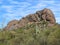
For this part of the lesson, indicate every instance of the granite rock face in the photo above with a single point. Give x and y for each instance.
(12, 25)
(45, 14)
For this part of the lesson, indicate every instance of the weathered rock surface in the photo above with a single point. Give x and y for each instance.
(45, 14)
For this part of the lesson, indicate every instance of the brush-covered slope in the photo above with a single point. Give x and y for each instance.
(31, 35)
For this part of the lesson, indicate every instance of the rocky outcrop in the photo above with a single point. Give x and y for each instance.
(45, 14)
(12, 25)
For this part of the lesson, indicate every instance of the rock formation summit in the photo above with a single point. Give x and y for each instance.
(45, 14)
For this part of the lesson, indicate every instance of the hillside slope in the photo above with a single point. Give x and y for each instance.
(31, 35)
(44, 31)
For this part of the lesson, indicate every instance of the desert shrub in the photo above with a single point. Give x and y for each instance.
(31, 35)
(54, 38)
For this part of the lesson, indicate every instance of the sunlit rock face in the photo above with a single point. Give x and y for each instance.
(45, 14)
(12, 25)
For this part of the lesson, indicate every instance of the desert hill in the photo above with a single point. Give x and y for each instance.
(42, 15)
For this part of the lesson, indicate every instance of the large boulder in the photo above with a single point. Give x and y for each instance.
(45, 14)
(48, 16)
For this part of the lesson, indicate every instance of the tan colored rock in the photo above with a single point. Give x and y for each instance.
(49, 16)
(12, 25)
(45, 14)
